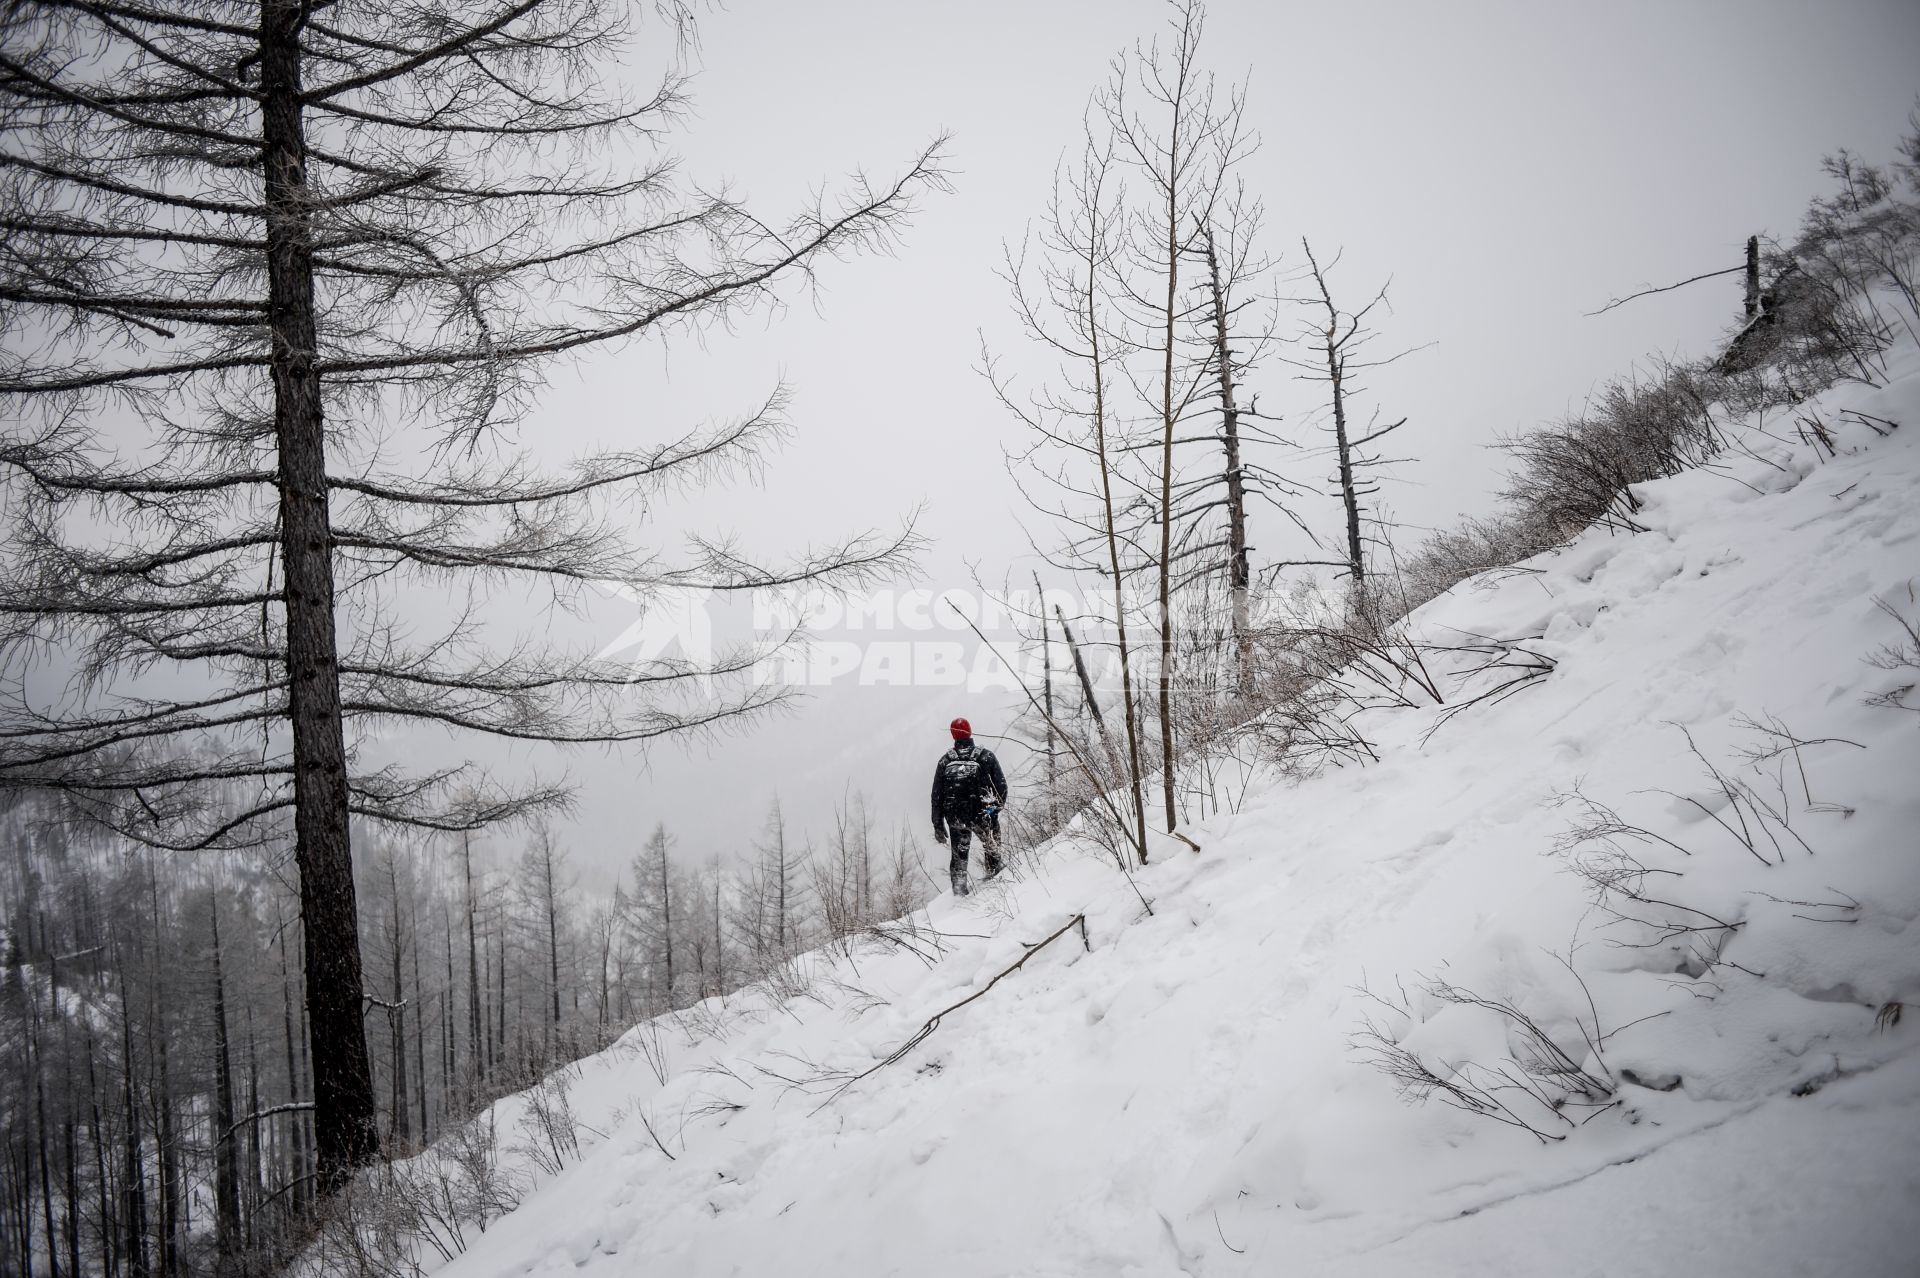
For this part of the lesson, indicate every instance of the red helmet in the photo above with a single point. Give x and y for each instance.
(961, 729)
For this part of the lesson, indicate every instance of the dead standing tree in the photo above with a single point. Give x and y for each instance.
(273, 278)
(1065, 308)
(1237, 326)
(1173, 344)
(1239, 573)
(1334, 344)
(1169, 129)
(1046, 674)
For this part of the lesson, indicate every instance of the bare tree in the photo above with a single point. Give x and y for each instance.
(1336, 344)
(1050, 750)
(769, 911)
(1239, 320)
(1064, 304)
(543, 887)
(1181, 140)
(1240, 577)
(273, 248)
(841, 878)
(1156, 299)
(650, 917)
(476, 1051)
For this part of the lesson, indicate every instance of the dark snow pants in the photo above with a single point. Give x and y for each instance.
(959, 842)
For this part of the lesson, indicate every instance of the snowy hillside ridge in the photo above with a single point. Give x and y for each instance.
(1642, 935)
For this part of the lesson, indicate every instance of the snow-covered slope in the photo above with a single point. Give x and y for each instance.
(1182, 1093)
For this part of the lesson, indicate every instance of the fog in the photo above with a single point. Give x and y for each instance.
(1509, 166)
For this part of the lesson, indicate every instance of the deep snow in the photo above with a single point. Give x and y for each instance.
(1185, 1095)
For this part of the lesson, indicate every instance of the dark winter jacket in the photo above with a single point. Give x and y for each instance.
(965, 781)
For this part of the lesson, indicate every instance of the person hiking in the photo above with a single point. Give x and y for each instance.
(969, 789)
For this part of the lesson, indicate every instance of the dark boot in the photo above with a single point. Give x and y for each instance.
(958, 840)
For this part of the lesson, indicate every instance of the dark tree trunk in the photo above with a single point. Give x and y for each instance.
(70, 1144)
(109, 1234)
(1167, 757)
(1046, 674)
(553, 941)
(18, 1182)
(419, 1022)
(449, 1060)
(255, 1190)
(159, 1056)
(666, 918)
(343, 1105)
(606, 948)
(402, 1130)
(226, 1178)
(1129, 712)
(474, 1041)
(500, 1001)
(134, 1217)
(1343, 449)
(296, 1167)
(36, 1049)
(70, 1133)
(781, 930)
(719, 955)
(1239, 573)
(1087, 698)
(486, 1011)
(167, 1146)
(445, 1053)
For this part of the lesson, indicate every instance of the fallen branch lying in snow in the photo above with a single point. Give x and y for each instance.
(932, 1023)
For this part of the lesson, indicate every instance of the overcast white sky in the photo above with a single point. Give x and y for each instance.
(1509, 165)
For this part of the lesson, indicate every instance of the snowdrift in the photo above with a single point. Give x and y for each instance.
(1656, 909)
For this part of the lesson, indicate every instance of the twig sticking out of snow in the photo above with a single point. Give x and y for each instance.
(1541, 1073)
(932, 1023)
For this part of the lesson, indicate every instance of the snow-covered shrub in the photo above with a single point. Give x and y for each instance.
(1488, 1056)
(1712, 908)
(1323, 663)
(1900, 656)
(1467, 549)
(1773, 969)
(1838, 291)
(1580, 471)
(411, 1216)
(1848, 278)
(1635, 904)
(552, 1133)
(1320, 663)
